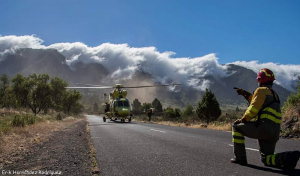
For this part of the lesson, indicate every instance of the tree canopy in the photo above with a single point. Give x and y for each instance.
(39, 93)
(208, 108)
(145, 107)
(4, 88)
(136, 105)
(172, 113)
(189, 110)
(157, 105)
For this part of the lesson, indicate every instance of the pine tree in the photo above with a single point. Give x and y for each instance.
(208, 109)
(237, 109)
(136, 106)
(157, 105)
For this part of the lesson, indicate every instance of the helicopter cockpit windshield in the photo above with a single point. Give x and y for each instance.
(122, 103)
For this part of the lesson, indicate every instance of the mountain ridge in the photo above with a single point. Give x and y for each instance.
(50, 61)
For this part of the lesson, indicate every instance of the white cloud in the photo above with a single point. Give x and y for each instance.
(285, 75)
(122, 61)
(124, 74)
(199, 84)
(9, 44)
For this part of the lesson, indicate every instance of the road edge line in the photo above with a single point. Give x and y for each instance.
(92, 152)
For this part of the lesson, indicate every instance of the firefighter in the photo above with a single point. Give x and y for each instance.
(149, 113)
(106, 107)
(262, 121)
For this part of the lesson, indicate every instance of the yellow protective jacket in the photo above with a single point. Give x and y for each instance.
(262, 97)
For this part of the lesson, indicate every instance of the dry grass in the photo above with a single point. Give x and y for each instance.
(292, 112)
(95, 169)
(7, 115)
(214, 125)
(291, 122)
(224, 122)
(17, 140)
(220, 126)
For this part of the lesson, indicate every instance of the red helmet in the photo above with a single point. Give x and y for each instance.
(265, 75)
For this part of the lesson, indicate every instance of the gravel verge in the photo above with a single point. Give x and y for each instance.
(66, 152)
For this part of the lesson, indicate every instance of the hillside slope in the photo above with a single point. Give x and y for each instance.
(50, 61)
(28, 61)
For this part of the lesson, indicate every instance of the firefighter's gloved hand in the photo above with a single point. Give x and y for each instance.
(238, 121)
(244, 93)
(240, 91)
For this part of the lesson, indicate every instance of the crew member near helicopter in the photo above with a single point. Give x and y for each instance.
(106, 107)
(149, 113)
(265, 115)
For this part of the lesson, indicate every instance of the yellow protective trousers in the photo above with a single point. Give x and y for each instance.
(267, 133)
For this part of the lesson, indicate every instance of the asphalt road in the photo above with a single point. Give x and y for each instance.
(151, 149)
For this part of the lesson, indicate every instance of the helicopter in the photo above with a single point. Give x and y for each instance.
(118, 106)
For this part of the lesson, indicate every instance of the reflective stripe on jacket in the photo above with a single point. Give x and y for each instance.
(261, 97)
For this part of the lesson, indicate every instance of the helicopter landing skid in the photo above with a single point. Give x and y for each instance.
(115, 120)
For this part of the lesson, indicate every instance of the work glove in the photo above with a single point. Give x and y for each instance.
(242, 92)
(238, 121)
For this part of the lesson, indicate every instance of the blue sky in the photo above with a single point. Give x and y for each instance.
(264, 30)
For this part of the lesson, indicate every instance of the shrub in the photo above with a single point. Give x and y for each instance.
(145, 107)
(172, 113)
(189, 110)
(18, 121)
(29, 119)
(169, 112)
(293, 100)
(4, 126)
(177, 112)
(59, 117)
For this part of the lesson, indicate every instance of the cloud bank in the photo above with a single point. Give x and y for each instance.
(285, 75)
(9, 44)
(122, 61)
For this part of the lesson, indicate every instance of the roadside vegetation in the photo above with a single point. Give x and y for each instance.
(291, 115)
(207, 114)
(39, 93)
(31, 108)
(20, 129)
(23, 98)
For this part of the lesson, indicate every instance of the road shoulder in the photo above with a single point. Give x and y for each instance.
(66, 151)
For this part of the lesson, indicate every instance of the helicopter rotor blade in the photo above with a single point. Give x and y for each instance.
(88, 85)
(160, 85)
(111, 87)
(106, 87)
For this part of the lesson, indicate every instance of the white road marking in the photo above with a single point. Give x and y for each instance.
(158, 131)
(246, 148)
(252, 149)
